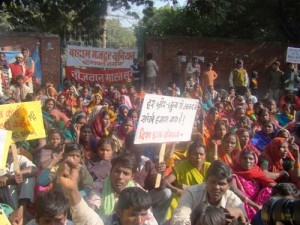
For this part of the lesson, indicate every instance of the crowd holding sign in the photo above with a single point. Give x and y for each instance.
(293, 55)
(99, 76)
(166, 119)
(23, 119)
(99, 57)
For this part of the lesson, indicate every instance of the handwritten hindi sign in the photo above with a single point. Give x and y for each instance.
(5, 140)
(100, 76)
(293, 55)
(100, 57)
(23, 119)
(165, 119)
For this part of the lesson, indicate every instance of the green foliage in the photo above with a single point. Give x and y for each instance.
(118, 36)
(268, 20)
(71, 19)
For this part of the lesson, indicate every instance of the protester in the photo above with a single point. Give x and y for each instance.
(215, 191)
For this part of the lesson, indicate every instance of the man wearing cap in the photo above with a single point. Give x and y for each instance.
(239, 78)
(20, 68)
(275, 81)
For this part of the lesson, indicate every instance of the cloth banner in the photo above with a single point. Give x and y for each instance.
(25, 120)
(99, 76)
(166, 119)
(100, 57)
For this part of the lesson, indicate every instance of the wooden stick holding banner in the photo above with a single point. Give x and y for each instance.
(15, 158)
(165, 119)
(161, 158)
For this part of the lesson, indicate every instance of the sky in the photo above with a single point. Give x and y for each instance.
(128, 21)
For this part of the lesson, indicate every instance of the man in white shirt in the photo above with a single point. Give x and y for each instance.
(151, 70)
(214, 192)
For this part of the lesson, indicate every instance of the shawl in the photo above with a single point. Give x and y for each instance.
(108, 197)
(272, 154)
(255, 173)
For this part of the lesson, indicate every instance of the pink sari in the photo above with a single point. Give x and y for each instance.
(253, 190)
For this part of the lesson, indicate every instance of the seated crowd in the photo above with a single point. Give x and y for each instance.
(89, 171)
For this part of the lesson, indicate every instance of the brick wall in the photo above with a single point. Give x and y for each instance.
(222, 52)
(50, 57)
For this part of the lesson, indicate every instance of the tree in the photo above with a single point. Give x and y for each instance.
(268, 20)
(70, 19)
(118, 36)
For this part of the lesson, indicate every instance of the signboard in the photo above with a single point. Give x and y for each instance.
(100, 76)
(5, 140)
(293, 55)
(25, 120)
(100, 57)
(166, 119)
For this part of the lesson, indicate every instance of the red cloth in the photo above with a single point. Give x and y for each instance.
(255, 173)
(272, 154)
(18, 69)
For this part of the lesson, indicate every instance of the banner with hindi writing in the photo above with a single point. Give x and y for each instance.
(99, 76)
(25, 120)
(100, 57)
(166, 119)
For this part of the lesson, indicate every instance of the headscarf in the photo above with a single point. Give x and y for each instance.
(255, 173)
(97, 124)
(53, 90)
(272, 154)
(127, 101)
(230, 158)
(92, 103)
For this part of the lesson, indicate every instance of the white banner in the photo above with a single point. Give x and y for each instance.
(293, 55)
(166, 119)
(100, 57)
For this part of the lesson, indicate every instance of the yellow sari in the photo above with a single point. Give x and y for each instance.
(186, 174)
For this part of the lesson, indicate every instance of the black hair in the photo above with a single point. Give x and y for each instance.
(50, 204)
(135, 198)
(285, 190)
(220, 170)
(205, 214)
(72, 146)
(195, 145)
(126, 160)
(108, 141)
(52, 131)
(149, 56)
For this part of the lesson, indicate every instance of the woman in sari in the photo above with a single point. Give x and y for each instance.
(102, 126)
(96, 101)
(253, 185)
(72, 133)
(188, 172)
(52, 117)
(263, 137)
(61, 105)
(221, 128)
(229, 150)
(263, 116)
(120, 134)
(244, 135)
(88, 142)
(279, 163)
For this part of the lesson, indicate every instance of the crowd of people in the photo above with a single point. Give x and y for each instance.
(87, 170)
